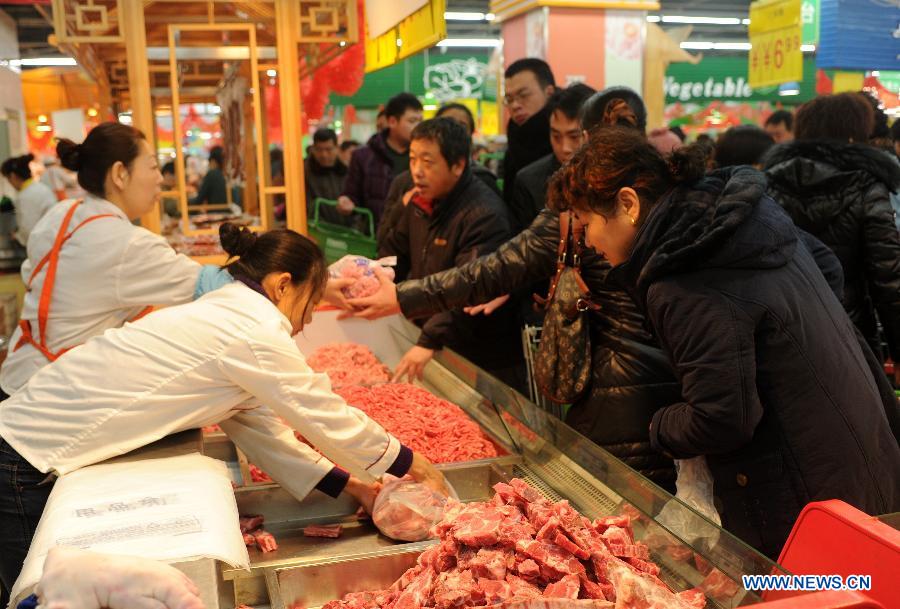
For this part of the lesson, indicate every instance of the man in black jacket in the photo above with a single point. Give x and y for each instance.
(529, 85)
(566, 137)
(324, 174)
(453, 218)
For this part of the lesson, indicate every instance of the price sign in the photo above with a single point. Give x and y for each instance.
(775, 36)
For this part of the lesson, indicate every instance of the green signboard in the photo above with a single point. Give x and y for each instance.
(725, 79)
(432, 75)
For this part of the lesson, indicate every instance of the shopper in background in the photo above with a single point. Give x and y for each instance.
(386, 155)
(742, 145)
(89, 268)
(381, 120)
(776, 391)
(346, 152)
(34, 199)
(566, 136)
(62, 182)
(631, 377)
(529, 84)
(213, 188)
(664, 140)
(837, 187)
(228, 359)
(452, 218)
(402, 186)
(780, 125)
(170, 204)
(895, 196)
(324, 175)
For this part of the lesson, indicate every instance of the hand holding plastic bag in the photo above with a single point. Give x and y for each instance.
(695, 488)
(362, 270)
(406, 510)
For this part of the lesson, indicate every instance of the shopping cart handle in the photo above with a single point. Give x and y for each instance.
(367, 213)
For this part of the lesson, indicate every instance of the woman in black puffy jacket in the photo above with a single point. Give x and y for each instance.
(837, 187)
(631, 376)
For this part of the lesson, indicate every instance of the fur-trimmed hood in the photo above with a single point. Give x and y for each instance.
(819, 165)
(724, 221)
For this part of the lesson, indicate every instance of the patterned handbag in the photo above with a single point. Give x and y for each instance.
(562, 366)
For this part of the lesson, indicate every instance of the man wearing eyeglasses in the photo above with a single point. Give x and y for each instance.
(529, 85)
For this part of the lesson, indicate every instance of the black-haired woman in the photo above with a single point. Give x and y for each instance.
(34, 199)
(228, 358)
(89, 268)
(776, 389)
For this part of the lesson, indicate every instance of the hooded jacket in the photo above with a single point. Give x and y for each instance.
(840, 193)
(777, 392)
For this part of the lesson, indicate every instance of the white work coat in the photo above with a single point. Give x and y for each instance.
(226, 358)
(32, 203)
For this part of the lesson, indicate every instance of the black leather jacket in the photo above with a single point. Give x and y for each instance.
(632, 378)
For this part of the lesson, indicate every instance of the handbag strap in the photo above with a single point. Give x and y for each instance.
(568, 230)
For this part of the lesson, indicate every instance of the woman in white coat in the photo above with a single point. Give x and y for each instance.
(228, 358)
(89, 268)
(34, 199)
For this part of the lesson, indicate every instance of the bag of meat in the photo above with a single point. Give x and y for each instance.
(694, 484)
(406, 510)
(363, 270)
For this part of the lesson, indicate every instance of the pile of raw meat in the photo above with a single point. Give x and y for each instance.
(439, 430)
(255, 535)
(363, 271)
(521, 550)
(348, 364)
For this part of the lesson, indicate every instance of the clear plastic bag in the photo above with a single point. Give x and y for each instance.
(363, 270)
(406, 510)
(695, 488)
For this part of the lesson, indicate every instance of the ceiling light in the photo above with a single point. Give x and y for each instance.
(789, 88)
(39, 62)
(399, 42)
(653, 18)
(745, 22)
(875, 73)
(92, 112)
(808, 48)
(489, 16)
(44, 128)
(702, 20)
(464, 16)
(42, 118)
(429, 107)
(271, 73)
(470, 42)
(716, 46)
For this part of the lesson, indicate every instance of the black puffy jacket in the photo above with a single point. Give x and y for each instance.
(778, 393)
(841, 194)
(631, 378)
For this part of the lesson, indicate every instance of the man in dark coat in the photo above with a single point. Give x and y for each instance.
(529, 85)
(840, 192)
(566, 136)
(385, 155)
(323, 175)
(453, 218)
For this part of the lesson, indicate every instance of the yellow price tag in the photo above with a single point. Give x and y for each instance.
(776, 34)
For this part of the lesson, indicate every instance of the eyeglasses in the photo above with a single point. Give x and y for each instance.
(521, 97)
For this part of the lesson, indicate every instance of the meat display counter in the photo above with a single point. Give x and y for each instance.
(554, 459)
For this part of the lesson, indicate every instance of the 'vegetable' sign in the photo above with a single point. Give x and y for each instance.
(775, 35)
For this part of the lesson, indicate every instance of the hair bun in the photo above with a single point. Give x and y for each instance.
(687, 165)
(236, 240)
(69, 154)
(618, 112)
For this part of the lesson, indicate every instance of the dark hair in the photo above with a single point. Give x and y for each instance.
(464, 109)
(107, 144)
(217, 154)
(324, 135)
(844, 117)
(781, 117)
(677, 130)
(276, 251)
(616, 157)
(895, 130)
(570, 100)
(538, 67)
(380, 112)
(348, 144)
(400, 103)
(18, 166)
(742, 145)
(614, 106)
(168, 168)
(451, 137)
(880, 129)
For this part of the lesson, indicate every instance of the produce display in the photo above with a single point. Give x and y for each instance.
(522, 550)
(439, 430)
(348, 364)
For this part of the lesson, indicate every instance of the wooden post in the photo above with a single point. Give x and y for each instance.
(288, 29)
(135, 34)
